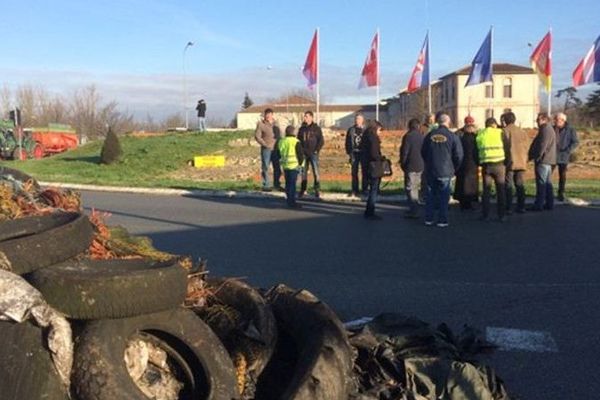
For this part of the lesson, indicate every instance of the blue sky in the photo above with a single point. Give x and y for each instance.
(132, 50)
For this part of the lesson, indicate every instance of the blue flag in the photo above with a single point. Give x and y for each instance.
(481, 67)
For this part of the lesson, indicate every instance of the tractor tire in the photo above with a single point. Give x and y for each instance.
(313, 345)
(19, 176)
(97, 289)
(100, 373)
(26, 368)
(19, 153)
(37, 152)
(32, 243)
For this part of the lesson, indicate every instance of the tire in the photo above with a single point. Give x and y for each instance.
(36, 242)
(96, 289)
(38, 151)
(26, 368)
(19, 176)
(100, 373)
(313, 345)
(19, 153)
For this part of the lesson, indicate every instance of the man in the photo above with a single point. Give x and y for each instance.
(201, 108)
(543, 153)
(353, 150)
(566, 142)
(311, 139)
(442, 154)
(265, 136)
(519, 146)
(412, 165)
(372, 153)
(493, 154)
(292, 157)
(466, 190)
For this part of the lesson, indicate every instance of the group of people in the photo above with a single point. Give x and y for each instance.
(431, 156)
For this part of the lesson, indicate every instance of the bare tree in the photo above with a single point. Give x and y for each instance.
(5, 101)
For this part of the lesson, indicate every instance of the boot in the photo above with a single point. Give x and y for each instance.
(520, 199)
(303, 186)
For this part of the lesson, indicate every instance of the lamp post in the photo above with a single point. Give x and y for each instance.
(185, 93)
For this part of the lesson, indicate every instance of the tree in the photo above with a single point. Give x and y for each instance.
(592, 107)
(571, 100)
(247, 103)
(111, 150)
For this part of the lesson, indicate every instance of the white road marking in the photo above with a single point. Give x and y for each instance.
(508, 339)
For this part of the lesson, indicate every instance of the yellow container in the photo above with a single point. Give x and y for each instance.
(209, 161)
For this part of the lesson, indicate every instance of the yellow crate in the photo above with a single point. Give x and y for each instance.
(209, 161)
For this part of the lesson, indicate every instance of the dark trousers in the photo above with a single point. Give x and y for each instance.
(357, 164)
(438, 196)
(544, 195)
(268, 157)
(291, 176)
(494, 173)
(372, 199)
(313, 162)
(514, 180)
(562, 179)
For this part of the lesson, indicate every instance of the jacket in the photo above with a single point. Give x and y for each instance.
(264, 134)
(410, 152)
(543, 147)
(467, 176)
(519, 147)
(493, 146)
(566, 142)
(442, 153)
(311, 138)
(371, 146)
(201, 108)
(290, 152)
(353, 139)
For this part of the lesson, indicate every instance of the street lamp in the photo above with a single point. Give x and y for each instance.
(185, 93)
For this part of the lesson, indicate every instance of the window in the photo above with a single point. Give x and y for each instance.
(507, 88)
(454, 91)
(489, 113)
(489, 91)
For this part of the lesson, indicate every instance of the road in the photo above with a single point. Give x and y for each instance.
(538, 272)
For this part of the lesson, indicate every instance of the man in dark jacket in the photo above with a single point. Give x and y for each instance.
(412, 164)
(201, 109)
(311, 139)
(566, 142)
(353, 149)
(372, 153)
(443, 154)
(543, 153)
(467, 176)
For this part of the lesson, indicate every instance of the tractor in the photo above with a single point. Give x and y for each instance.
(13, 148)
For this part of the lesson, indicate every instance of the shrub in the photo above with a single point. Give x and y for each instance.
(111, 150)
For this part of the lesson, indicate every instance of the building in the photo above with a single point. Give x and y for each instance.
(514, 88)
(290, 110)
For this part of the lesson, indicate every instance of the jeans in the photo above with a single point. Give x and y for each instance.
(291, 176)
(364, 180)
(267, 157)
(438, 194)
(562, 179)
(412, 187)
(372, 199)
(514, 180)
(494, 173)
(544, 196)
(313, 162)
(202, 124)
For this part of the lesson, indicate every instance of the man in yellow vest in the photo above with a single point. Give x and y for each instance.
(493, 154)
(291, 157)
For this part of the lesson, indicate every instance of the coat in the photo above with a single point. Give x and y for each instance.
(519, 147)
(201, 108)
(311, 138)
(543, 147)
(467, 175)
(410, 152)
(442, 153)
(566, 142)
(265, 134)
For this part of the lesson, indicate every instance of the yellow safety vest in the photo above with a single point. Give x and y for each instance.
(490, 146)
(287, 151)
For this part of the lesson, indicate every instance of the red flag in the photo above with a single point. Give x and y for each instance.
(541, 61)
(310, 69)
(370, 72)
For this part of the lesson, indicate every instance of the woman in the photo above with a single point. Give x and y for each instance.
(372, 151)
(467, 182)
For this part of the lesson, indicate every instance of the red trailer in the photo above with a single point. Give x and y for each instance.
(55, 138)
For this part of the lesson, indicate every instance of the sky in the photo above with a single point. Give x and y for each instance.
(132, 50)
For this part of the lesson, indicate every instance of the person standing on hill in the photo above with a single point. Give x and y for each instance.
(311, 139)
(543, 153)
(467, 176)
(354, 137)
(412, 165)
(201, 109)
(519, 145)
(265, 136)
(566, 142)
(291, 158)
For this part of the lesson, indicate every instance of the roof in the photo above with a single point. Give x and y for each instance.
(499, 68)
(282, 108)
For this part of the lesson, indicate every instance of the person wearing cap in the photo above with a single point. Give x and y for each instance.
(493, 154)
(566, 142)
(466, 190)
(291, 156)
(519, 146)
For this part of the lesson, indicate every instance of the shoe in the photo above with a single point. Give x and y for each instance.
(442, 224)
(428, 223)
(301, 194)
(560, 197)
(317, 194)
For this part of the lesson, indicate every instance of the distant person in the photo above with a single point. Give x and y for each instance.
(515, 173)
(354, 137)
(467, 176)
(543, 153)
(566, 142)
(291, 158)
(493, 153)
(311, 138)
(412, 165)
(201, 109)
(265, 136)
(443, 154)
(372, 153)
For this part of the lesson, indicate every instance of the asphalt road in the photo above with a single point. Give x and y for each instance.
(538, 272)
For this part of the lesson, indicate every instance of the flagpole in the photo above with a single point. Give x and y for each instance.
(378, 80)
(318, 77)
(550, 77)
(491, 102)
(429, 74)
